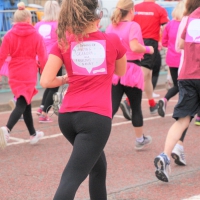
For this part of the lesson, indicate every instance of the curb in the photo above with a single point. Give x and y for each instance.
(5, 107)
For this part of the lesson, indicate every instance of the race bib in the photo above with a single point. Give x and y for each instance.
(193, 31)
(89, 57)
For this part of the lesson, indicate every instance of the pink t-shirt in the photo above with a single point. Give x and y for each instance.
(168, 40)
(90, 86)
(191, 35)
(48, 31)
(127, 31)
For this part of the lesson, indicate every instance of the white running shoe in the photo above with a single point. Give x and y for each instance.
(155, 95)
(178, 156)
(4, 137)
(37, 137)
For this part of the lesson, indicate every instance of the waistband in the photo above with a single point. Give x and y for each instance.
(137, 62)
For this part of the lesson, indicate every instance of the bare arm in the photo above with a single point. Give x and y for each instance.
(120, 66)
(181, 43)
(48, 77)
(139, 48)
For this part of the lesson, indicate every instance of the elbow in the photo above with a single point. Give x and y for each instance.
(44, 83)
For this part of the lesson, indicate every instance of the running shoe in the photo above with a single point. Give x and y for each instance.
(154, 109)
(139, 145)
(161, 107)
(197, 121)
(178, 156)
(126, 110)
(44, 119)
(162, 164)
(39, 111)
(34, 139)
(155, 95)
(4, 137)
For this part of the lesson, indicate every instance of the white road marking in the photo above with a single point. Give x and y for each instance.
(23, 141)
(194, 198)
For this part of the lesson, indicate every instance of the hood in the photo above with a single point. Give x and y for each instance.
(23, 29)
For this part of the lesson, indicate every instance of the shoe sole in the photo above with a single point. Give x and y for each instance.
(177, 159)
(159, 172)
(197, 123)
(3, 143)
(161, 111)
(124, 111)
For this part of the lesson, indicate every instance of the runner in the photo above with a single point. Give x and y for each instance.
(132, 82)
(189, 92)
(23, 44)
(90, 57)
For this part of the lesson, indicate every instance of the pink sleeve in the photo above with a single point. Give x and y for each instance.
(135, 32)
(180, 30)
(165, 37)
(42, 53)
(4, 51)
(55, 50)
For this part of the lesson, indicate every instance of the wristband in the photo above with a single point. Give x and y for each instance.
(147, 49)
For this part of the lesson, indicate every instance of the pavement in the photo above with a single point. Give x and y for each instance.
(32, 172)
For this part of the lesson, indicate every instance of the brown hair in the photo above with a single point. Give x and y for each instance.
(190, 6)
(75, 16)
(121, 10)
(22, 14)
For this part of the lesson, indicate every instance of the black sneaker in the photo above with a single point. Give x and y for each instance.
(161, 107)
(154, 109)
(126, 109)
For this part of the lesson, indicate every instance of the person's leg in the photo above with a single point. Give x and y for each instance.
(88, 133)
(162, 103)
(17, 112)
(156, 69)
(117, 94)
(135, 97)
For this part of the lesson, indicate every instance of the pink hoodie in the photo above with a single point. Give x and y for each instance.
(168, 40)
(23, 44)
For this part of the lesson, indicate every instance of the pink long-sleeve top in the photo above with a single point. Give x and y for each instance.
(23, 44)
(168, 40)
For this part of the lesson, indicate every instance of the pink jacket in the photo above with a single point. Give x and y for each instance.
(23, 44)
(168, 40)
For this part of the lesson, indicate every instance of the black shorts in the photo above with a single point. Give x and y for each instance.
(149, 59)
(189, 98)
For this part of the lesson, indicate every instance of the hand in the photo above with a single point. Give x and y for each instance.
(151, 50)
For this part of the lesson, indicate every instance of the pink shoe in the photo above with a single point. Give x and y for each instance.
(43, 119)
(37, 137)
(4, 137)
(39, 111)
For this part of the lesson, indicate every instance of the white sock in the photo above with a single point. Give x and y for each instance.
(179, 146)
(140, 140)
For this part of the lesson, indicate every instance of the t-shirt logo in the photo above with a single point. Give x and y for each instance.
(45, 31)
(89, 57)
(193, 31)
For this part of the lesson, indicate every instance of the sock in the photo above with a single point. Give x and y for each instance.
(165, 100)
(128, 101)
(140, 140)
(180, 147)
(152, 102)
(198, 118)
(42, 106)
(34, 134)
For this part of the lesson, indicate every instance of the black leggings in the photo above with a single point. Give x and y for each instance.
(135, 97)
(47, 99)
(174, 90)
(156, 69)
(21, 108)
(88, 133)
